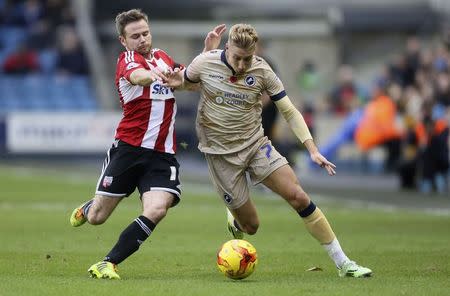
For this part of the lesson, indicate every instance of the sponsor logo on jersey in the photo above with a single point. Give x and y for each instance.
(250, 80)
(132, 65)
(231, 99)
(158, 89)
(235, 96)
(235, 102)
(217, 76)
(161, 92)
(107, 181)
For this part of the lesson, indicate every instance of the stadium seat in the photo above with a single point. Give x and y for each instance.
(47, 60)
(11, 37)
(46, 93)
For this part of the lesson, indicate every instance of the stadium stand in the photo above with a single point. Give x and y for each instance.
(36, 73)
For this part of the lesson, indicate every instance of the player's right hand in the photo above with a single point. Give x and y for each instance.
(324, 163)
(157, 74)
(174, 78)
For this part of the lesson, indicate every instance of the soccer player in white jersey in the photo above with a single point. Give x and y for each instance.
(143, 154)
(231, 137)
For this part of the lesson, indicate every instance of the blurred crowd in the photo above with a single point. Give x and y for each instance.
(407, 113)
(38, 36)
(43, 66)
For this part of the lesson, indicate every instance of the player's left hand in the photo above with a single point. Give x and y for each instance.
(324, 163)
(212, 40)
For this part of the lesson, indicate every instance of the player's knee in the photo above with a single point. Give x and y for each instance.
(299, 200)
(155, 214)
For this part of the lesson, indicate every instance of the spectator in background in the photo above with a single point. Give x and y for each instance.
(397, 70)
(23, 13)
(441, 59)
(40, 36)
(412, 101)
(59, 12)
(442, 89)
(426, 62)
(309, 82)
(23, 61)
(346, 95)
(8, 13)
(433, 135)
(308, 78)
(71, 57)
(412, 59)
(407, 165)
(378, 124)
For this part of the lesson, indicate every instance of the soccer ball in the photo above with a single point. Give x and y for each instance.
(237, 259)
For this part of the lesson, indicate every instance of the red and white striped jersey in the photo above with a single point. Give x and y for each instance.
(148, 111)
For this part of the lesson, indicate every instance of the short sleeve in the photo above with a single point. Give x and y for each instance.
(192, 73)
(273, 85)
(130, 61)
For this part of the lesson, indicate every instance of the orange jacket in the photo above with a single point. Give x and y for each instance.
(377, 124)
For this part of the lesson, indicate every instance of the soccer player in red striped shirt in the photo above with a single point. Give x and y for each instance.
(143, 154)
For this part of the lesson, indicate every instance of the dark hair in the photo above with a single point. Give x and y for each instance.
(126, 17)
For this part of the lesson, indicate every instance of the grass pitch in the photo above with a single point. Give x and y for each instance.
(41, 254)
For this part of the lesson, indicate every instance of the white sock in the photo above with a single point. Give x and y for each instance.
(335, 252)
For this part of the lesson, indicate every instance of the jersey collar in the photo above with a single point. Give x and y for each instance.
(223, 58)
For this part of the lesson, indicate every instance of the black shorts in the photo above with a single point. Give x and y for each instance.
(127, 167)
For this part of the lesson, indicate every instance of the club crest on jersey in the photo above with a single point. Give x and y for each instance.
(219, 100)
(227, 198)
(250, 80)
(107, 181)
(132, 65)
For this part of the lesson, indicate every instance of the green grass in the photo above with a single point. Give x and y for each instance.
(40, 254)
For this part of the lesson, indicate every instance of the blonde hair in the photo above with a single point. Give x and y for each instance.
(126, 17)
(243, 36)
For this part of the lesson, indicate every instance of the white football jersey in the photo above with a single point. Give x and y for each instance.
(229, 112)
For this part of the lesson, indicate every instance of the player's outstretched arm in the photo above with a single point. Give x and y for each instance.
(175, 79)
(298, 125)
(145, 77)
(213, 38)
